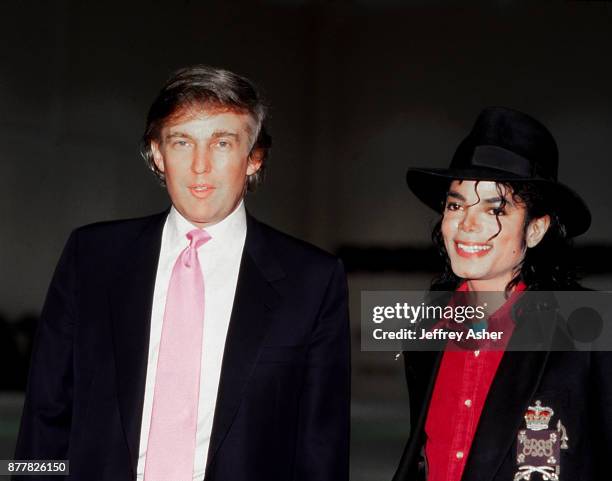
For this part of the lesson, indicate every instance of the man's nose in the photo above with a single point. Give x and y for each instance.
(469, 221)
(201, 163)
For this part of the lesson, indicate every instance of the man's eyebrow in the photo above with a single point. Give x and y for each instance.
(491, 200)
(495, 200)
(455, 195)
(178, 134)
(225, 133)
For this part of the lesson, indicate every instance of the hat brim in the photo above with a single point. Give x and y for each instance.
(431, 187)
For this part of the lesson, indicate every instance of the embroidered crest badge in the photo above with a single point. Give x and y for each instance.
(537, 417)
(539, 448)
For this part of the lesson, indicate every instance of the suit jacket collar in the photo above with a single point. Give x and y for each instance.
(131, 299)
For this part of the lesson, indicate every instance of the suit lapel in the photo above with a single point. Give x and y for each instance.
(254, 302)
(421, 372)
(516, 381)
(131, 300)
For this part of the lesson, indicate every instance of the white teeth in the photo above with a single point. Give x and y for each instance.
(473, 248)
(200, 189)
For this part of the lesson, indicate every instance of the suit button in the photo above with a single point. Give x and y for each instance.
(459, 454)
(468, 402)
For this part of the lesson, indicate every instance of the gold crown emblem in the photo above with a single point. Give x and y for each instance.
(537, 417)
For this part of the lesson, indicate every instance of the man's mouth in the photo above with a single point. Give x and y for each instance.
(201, 190)
(470, 249)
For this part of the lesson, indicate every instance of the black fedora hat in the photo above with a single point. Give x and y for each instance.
(505, 145)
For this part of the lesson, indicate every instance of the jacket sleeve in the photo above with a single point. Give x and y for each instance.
(47, 413)
(324, 423)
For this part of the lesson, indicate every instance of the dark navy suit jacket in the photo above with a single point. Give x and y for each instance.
(283, 403)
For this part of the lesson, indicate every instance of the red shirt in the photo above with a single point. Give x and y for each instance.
(458, 398)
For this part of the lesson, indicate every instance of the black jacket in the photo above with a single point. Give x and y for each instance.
(576, 385)
(283, 403)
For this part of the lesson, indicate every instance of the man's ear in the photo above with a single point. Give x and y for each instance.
(255, 160)
(536, 230)
(158, 158)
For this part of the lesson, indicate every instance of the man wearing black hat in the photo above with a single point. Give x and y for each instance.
(504, 414)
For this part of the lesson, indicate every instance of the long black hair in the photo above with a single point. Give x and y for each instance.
(547, 266)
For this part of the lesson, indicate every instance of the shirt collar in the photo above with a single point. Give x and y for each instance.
(230, 228)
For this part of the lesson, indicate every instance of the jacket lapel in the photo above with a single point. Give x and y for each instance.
(254, 301)
(421, 372)
(516, 381)
(421, 369)
(131, 300)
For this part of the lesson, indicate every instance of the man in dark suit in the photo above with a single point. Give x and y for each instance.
(506, 413)
(197, 343)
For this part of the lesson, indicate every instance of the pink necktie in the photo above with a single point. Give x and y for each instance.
(171, 446)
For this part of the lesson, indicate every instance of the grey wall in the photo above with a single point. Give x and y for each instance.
(359, 91)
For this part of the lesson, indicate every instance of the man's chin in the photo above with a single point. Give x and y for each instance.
(469, 274)
(201, 219)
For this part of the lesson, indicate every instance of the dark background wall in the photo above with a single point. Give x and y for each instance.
(359, 91)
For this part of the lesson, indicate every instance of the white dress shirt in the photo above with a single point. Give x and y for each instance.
(220, 262)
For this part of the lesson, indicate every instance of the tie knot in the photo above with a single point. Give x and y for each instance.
(197, 237)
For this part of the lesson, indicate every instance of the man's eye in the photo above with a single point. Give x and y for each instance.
(452, 206)
(224, 144)
(180, 143)
(497, 211)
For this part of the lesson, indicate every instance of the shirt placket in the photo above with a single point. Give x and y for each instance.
(465, 414)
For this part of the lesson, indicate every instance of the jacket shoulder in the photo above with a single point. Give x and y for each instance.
(108, 230)
(288, 247)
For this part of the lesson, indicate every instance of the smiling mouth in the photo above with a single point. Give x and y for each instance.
(472, 249)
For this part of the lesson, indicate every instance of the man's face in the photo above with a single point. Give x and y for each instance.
(204, 156)
(481, 250)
